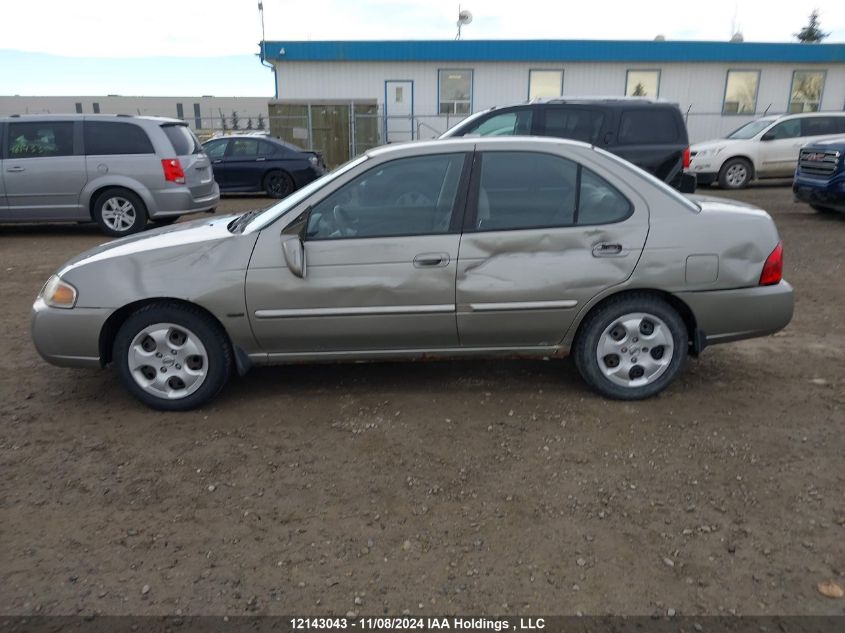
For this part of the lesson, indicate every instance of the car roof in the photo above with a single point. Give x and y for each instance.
(468, 143)
(808, 115)
(89, 117)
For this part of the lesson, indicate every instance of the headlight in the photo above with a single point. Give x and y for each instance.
(710, 151)
(58, 294)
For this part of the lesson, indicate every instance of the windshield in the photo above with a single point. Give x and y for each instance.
(667, 189)
(752, 129)
(267, 216)
(457, 129)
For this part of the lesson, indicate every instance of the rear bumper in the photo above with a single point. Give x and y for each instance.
(180, 201)
(69, 338)
(731, 315)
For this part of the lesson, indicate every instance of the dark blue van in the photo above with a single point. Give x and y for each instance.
(820, 175)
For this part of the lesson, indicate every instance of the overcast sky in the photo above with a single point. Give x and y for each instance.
(155, 29)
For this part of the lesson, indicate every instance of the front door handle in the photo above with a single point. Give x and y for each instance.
(431, 260)
(16, 168)
(604, 249)
(216, 162)
(260, 158)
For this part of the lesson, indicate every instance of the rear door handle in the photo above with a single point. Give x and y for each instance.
(605, 249)
(216, 162)
(260, 158)
(16, 168)
(431, 260)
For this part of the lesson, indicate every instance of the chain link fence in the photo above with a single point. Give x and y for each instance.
(343, 130)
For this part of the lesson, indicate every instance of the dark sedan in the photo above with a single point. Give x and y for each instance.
(250, 163)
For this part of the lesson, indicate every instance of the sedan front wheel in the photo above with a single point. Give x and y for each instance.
(172, 357)
(632, 347)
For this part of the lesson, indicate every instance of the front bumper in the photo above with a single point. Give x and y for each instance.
(731, 315)
(703, 178)
(831, 195)
(69, 338)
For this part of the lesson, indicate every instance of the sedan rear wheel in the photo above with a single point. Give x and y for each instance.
(278, 184)
(631, 347)
(172, 357)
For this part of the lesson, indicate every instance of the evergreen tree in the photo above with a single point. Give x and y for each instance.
(249, 123)
(811, 33)
(639, 91)
(260, 121)
(235, 120)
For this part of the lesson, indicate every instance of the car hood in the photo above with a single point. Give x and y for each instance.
(717, 142)
(183, 234)
(828, 143)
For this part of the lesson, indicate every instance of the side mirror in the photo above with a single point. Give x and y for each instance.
(294, 251)
(768, 136)
(292, 246)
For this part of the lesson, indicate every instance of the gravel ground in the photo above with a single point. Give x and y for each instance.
(432, 488)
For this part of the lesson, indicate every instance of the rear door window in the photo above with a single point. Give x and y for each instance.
(579, 124)
(107, 138)
(648, 127)
(819, 125)
(183, 140)
(243, 148)
(36, 140)
(529, 190)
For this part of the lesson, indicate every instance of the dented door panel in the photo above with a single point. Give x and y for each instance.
(525, 287)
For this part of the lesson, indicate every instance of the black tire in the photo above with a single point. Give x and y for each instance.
(736, 173)
(278, 184)
(166, 221)
(822, 209)
(218, 361)
(586, 346)
(104, 212)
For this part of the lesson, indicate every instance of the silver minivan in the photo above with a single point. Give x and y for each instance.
(117, 170)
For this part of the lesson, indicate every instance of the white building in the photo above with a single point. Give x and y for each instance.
(422, 87)
(201, 113)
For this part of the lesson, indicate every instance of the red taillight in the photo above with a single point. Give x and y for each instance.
(773, 268)
(686, 157)
(173, 171)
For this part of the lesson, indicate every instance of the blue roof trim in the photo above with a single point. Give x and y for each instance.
(554, 51)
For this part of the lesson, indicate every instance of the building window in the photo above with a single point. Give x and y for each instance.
(455, 90)
(197, 117)
(642, 83)
(545, 83)
(78, 108)
(96, 107)
(741, 92)
(180, 112)
(806, 93)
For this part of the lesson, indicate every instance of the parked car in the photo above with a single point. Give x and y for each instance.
(253, 163)
(119, 171)
(820, 175)
(464, 247)
(764, 148)
(650, 134)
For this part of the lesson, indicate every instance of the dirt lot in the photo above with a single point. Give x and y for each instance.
(472, 487)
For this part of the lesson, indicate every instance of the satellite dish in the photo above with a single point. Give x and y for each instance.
(464, 17)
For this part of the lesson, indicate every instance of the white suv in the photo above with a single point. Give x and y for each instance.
(764, 148)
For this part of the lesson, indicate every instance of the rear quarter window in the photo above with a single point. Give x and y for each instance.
(648, 127)
(109, 138)
(183, 140)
